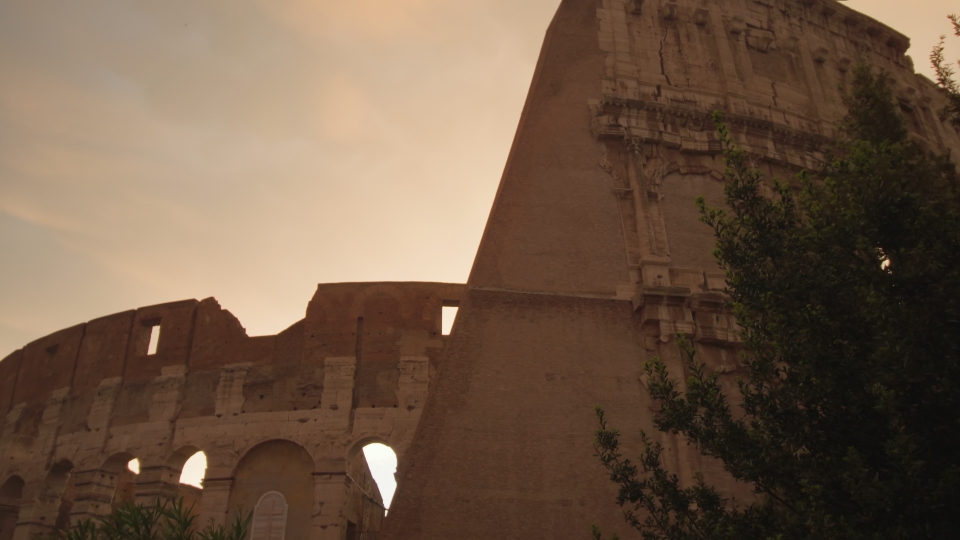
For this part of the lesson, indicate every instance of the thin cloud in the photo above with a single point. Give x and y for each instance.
(374, 21)
(248, 150)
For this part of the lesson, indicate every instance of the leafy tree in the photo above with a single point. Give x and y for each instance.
(945, 75)
(169, 520)
(847, 289)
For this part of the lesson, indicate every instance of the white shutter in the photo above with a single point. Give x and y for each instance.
(269, 517)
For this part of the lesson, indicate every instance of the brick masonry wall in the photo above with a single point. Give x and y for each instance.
(593, 258)
(78, 404)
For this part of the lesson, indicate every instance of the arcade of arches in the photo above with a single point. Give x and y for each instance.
(593, 261)
(94, 415)
(275, 480)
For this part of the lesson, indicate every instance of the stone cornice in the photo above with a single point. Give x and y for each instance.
(690, 130)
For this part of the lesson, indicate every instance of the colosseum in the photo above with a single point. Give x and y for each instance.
(592, 261)
(286, 413)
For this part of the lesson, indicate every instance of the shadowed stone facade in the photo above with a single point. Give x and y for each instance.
(286, 413)
(593, 260)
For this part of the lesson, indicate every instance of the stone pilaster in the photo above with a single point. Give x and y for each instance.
(329, 495)
(95, 489)
(230, 389)
(156, 482)
(215, 500)
(413, 382)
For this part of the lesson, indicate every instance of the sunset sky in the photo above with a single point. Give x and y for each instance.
(154, 151)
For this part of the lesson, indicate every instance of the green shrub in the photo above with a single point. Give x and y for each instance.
(167, 520)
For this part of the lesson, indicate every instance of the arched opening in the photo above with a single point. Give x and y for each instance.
(11, 494)
(193, 470)
(192, 464)
(118, 475)
(99, 490)
(382, 462)
(277, 466)
(371, 471)
(448, 314)
(56, 497)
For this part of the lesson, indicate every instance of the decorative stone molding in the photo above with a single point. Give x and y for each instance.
(668, 9)
(715, 323)
(736, 25)
(761, 40)
(701, 16)
(820, 54)
(691, 131)
(664, 312)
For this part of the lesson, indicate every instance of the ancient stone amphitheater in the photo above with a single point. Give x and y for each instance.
(592, 261)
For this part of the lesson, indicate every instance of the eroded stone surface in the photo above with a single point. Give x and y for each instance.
(593, 258)
(286, 413)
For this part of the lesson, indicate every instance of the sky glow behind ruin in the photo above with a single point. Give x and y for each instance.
(157, 151)
(151, 152)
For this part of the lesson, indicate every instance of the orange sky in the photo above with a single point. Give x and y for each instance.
(248, 150)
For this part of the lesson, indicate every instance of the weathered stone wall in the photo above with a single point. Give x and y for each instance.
(593, 258)
(592, 261)
(286, 413)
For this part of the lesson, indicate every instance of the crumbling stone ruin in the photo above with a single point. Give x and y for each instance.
(592, 261)
(284, 416)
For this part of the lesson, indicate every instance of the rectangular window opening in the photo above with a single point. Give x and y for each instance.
(447, 315)
(154, 339)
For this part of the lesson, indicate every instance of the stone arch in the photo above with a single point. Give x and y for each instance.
(54, 501)
(379, 297)
(439, 299)
(175, 464)
(160, 476)
(380, 289)
(181, 455)
(320, 307)
(371, 487)
(224, 460)
(269, 517)
(383, 288)
(120, 481)
(397, 443)
(101, 486)
(240, 453)
(282, 466)
(11, 496)
(378, 347)
(354, 447)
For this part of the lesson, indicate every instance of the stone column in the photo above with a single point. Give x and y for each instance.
(337, 397)
(33, 518)
(8, 517)
(95, 489)
(413, 382)
(215, 501)
(27, 527)
(156, 482)
(329, 497)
